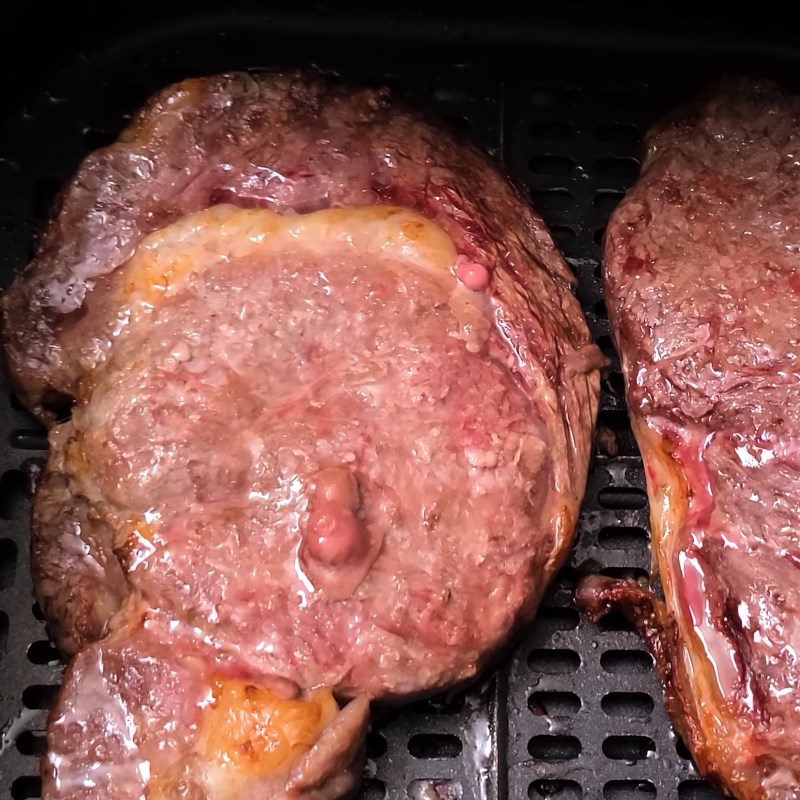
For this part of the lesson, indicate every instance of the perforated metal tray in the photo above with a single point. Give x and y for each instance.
(575, 709)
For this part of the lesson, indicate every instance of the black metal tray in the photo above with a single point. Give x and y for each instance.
(576, 711)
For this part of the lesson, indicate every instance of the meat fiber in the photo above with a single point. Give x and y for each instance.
(333, 399)
(702, 280)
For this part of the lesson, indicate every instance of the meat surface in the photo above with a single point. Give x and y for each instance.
(702, 280)
(144, 713)
(333, 400)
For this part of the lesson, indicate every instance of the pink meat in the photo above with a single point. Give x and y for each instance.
(306, 468)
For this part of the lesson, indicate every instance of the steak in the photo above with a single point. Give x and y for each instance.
(332, 400)
(702, 280)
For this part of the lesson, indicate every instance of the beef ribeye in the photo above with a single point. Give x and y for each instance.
(702, 280)
(333, 404)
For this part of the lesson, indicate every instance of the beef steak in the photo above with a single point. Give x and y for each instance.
(702, 280)
(333, 404)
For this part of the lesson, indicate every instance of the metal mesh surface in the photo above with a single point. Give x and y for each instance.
(574, 709)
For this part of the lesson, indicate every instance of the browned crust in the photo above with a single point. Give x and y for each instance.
(76, 575)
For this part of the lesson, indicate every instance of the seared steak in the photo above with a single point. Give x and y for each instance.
(333, 405)
(702, 279)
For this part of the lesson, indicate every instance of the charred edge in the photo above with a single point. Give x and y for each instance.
(597, 596)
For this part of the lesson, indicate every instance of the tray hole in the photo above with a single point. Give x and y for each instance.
(617, 421)
(440, 704)
(372, 789)
(37, 612)
(566, 578)
(628, 790)
(28, 439)
(637, 574)
(434, 745)
(542, 97)
(14, 493)
(554, 747)
(628, 704)
(32, 744)
(628, 748)
(26, 786)
(559, 619)
(615, 384)
(39, 695)
(697, 790)
(682, 750)
(616, 621)
(59, 404)
(562, 233)
(606, 344)
(553, 200)
(618, 133)
(551, 129)
(622, 538)
(625, 169)
(376, 745)
(622, 498)
(555, 790)
(554, 662)
(16, 403)
(599, 310)
(43, 652)
(606, 200)
(434, 789)
(8, 562)
(598, 236)
(44, 195)
(626, 662)
(554, 704)
(551, 165)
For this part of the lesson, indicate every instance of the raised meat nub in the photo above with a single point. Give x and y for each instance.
(338, 485)
(472, 274)
(335, 535)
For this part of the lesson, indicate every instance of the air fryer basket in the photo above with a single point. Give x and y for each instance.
(576, 710)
